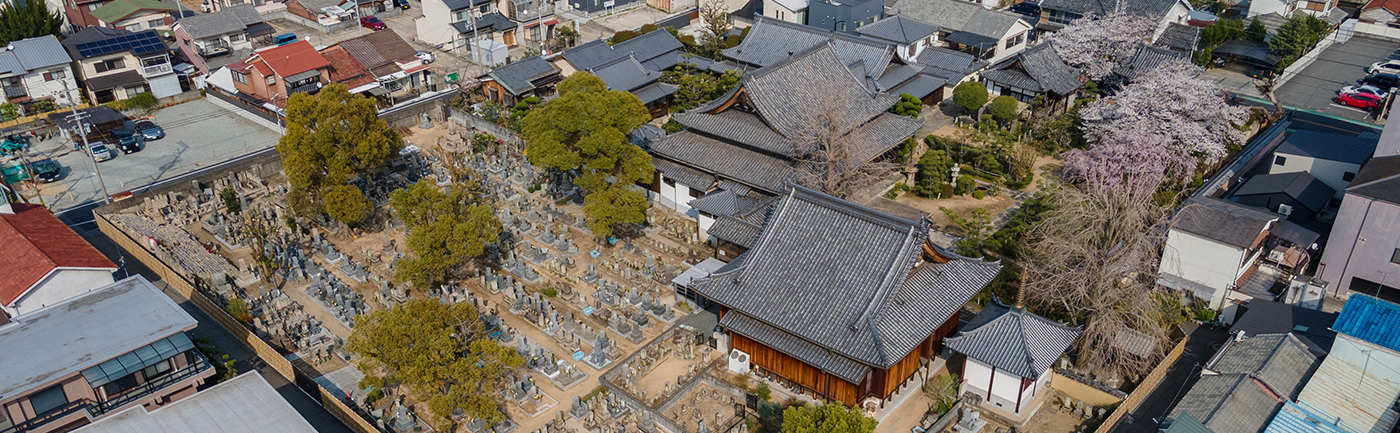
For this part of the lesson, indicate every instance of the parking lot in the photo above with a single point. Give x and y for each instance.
(1339, 65)
(198, 134)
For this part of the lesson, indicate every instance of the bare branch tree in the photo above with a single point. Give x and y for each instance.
(715, 18)
(830, 157)
(1094, 259)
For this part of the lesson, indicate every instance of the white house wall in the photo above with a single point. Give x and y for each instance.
(980, 376)
(1002, 50)
(435, 26)
(1179, 14)
(772, 8)
(1204, 261)
(705, 222)
(58, 286)
(1328, 171)
(39, 88)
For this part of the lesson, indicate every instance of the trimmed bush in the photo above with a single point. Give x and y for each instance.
(978, 194)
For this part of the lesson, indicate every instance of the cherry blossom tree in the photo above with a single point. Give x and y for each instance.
(1099, 43)
(1135, 161)
(1174, 103)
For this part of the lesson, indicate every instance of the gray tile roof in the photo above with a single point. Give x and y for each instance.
(726, 202)
(1301, 186)
(1312, 327)
(896, 75)
(860, 303)
(1148, 58)
(625, 74)
(958, 15)
(785, 106)
(772, 41)
(33, 54)
(1153, 8)
(1280, 361)
(733, 162)
(1232, 223)
(518, 77)
(690, 177)
(1231, 403)
(590, 55)
(898, 29)
(1331, 147)
(1013, 340)
(655, 92)
(743, 227)
(950, 65)
(921, 86)
(1180, 37)
(247, 13)
(492, 22)
(738, 126)
(1378, 179)
(1037, 69)
(972, 39)
(649, 46)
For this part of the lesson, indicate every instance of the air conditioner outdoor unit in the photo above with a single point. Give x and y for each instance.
(738, 361)
(1285, 210)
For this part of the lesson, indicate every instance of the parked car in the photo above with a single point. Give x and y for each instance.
(1365, 101)
(100, 152)
(373, 23)
(46, 170)
(150, 130)
(1384, 80)
(1391, 66)
(425, 56)
(401, 4)
(1026, 8)
(128, 142)
(1259, 72)
(1364, 89)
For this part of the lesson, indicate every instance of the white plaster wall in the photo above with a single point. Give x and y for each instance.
(771, 9)
(1005, 388)
(1329, 172)
(1178, 14)
(705, 223)
(1205, 261)
(977, 374)
(38, 88)
(58, 286)
(1003, 52)
(435, 25)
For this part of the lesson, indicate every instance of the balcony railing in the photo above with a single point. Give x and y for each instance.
(214, 48)
(146, 389)
(58, 413)
(156, 69)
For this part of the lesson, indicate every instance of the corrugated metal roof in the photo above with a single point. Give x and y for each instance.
(1293, 418)
(37, 53)
(1358, 392)
(1371, 319)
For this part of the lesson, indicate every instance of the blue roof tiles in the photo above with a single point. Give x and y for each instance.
(1371, 319)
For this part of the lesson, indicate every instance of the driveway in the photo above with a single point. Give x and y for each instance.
(1339, 65)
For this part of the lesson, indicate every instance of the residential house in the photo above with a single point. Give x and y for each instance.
(1357, 386)
(514, 82)
(45, 261)
(628, 75)
(37, 69)
(1246, 383)
(271, 75)
(392, 62)
(1312, 327)
(991, 35)
(1381, 11)
(1325, 9)
(1009, 354)
(95, 355)
(536, 18)
(657, 51)
(743, 139)
(1148, 58)
(452, 24)
(793, 11)
(224, 408)
(1037, 72)
(593, 7)
(1298, 196)
(1056, 14)
(844, 15)
(135, 15)
(344, 69)
(325, 12)
(1215, 249)
(910, 36)
(117, 64)
(846, 324)
(1182, 38)
(213, 40)
(1333, 159)
(1363, 252)
(79, 12)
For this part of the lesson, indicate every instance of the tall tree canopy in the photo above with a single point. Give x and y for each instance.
(587, 129)
(439, 351)
(27, 19)
(445, 229)
(827, 418)
(1173, 102)
(332, 136)
(1098, 43)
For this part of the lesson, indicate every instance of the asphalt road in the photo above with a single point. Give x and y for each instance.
(1202, 344)
(1338, 66)
(198, 135)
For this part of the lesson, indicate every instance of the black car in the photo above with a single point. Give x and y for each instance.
(1382, 80)
(128, 141)
(1026, 8)
(46, 171)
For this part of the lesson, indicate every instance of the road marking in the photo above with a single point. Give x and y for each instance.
(1358, 110)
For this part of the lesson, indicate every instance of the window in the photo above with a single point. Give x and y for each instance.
(841, 27)
(486, 8)
(911, 50)
(1395, 258)
(116, 387)
(1061, 17)
(1279, 160)
(1348, 176)
(132, 28)
(154, 371)
(271, 80)
(237, 37)
(695, 193)
(1015, 40)
(462, 15)
(94, 6)
(240, 77)
(670, 182)
(108, 65)
(47, 400)
(159, 22)
(57, 74)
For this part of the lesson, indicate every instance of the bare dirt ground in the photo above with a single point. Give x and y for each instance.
(705, 408)
(656, 378)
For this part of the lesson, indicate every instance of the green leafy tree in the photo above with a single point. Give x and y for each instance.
(1256, 31)
(827, 418)
(976, 227)
(346, 203)
(566, 34)
(623, 36)
(1222, 30)
(1003, 108)
(9, 112)
(695, 87)
(238, 309)
(1298, 35)
(970, 95)
(587, 129)
(908, 105)
(231, 204)
(27, 19)
(445, 230)
(523, 107)
(331, 137)
(439, 351)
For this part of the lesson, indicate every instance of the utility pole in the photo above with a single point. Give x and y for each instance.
(77, 118)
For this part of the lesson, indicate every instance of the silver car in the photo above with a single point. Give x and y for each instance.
(100, 152)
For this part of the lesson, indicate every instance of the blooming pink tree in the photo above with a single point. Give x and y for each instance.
(1099, 43)
(1134, 161)
(1171, 102)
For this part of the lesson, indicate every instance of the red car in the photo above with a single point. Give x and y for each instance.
(373, 23)
(1365, 101)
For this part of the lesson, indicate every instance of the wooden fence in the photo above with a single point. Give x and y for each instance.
(1148, 384)
(274, 359)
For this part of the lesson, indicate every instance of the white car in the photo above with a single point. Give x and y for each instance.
(1391, 66)
(1364, 89)
(100, 152)
(425, 56)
